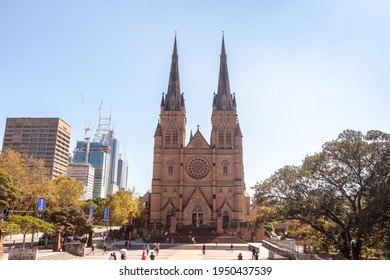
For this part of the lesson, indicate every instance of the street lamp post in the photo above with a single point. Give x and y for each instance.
(353, 244)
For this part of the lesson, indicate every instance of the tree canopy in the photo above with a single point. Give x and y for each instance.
(29, 176)
(30, 224)
(343, 191)
(120, 205)
(8, 192)
(66, 191)
(69, 220)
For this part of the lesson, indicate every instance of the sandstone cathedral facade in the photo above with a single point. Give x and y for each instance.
(198, 183)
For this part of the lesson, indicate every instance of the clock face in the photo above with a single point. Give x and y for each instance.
(198, 167)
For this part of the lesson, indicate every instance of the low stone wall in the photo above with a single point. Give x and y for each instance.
(23, 254)
(285, 243)
(76, 248)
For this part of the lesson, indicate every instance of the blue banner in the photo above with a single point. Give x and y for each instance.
(90, 213)
(41, 203)
(105, 219)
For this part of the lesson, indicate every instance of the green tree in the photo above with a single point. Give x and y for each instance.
(30, 225)
(98, 205)
(30, 177)
(6, 228)
(120, 205)
(66, 191)
(8, 193)
(264, 218)
(343, 192)
(69, 220)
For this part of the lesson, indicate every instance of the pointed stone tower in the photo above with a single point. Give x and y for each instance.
(226, 142)
(170, 135)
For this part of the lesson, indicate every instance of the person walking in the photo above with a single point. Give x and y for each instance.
(92, 249)
(147, 249)
(253, 253)
(157, 249)
(105, 248)
(204, 249)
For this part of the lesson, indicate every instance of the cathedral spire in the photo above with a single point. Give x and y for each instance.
(223, 99)
(173, 100)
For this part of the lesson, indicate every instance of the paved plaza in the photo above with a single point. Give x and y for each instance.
(167, 252)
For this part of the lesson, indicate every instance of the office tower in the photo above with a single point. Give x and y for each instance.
(99, 157)
(122, 172)
(43, 138)
(111, 141)
(85, 173)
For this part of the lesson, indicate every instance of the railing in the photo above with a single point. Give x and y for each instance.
(286, 253)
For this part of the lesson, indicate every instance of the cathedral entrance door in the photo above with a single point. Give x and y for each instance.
(197, 219)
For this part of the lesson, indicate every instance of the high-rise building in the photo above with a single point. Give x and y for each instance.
(122, 172)
(199, 183)
(85, 173)
(43, 138)
(99, 156)
(114, 145)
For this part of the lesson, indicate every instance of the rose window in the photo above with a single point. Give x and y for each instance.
(198, 167)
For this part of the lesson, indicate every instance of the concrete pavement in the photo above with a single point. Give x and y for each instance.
(167, 252)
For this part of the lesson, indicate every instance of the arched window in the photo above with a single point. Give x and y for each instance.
(170, 167)
(175, 136)
(167, 136)
(225, 165)
(220, 137)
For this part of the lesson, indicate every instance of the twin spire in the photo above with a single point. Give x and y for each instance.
(223, 100)
(174, 100)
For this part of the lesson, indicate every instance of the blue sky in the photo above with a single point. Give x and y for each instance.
(302, 71)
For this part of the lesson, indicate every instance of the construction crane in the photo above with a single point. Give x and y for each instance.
(88, 127)
(103, 128)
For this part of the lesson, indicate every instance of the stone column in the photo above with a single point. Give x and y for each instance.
(173, 224)
(219, 225)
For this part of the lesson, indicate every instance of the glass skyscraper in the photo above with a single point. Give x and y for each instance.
(99, 156)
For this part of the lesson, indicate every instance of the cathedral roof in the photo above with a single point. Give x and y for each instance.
(197, 141)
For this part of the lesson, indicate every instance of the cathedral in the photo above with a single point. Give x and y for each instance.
(198, 183)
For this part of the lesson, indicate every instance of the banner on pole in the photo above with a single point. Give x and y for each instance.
(105, 214)
(41, 203)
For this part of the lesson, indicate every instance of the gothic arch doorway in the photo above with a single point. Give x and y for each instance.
(225, 217)
(168, 217)
(197, 215)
